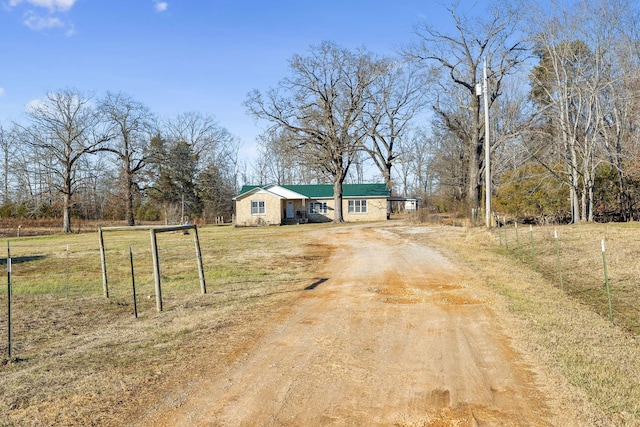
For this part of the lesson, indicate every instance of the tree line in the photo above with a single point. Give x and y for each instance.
(78, 156)
(562, 91)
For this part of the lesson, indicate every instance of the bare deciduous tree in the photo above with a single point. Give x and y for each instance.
(132, 124)
(321, 105)
(277, 163)
(396, 97)
(8, 150)
(66, 127)
(457, 58)
(209, 141)
(215, 155)
(419, 175)
(580, 84)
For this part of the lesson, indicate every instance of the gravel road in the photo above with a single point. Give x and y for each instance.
(388, 335)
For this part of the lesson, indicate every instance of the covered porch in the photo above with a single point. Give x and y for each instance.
(294, 211)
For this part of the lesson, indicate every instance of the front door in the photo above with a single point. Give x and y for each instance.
(289, 210)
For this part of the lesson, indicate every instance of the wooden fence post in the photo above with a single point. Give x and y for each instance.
(156, 269)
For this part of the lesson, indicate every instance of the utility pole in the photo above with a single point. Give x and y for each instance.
(487, 149)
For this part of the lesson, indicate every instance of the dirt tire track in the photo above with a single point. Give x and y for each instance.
(393, 336)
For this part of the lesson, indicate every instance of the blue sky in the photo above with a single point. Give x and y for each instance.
(178, 56)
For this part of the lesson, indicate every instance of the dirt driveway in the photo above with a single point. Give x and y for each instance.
(389, 334)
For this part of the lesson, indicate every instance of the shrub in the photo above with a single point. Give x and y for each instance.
(532, 191)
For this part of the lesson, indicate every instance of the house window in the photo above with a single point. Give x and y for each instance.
(357, 207)
(257, 207)
(318, 208)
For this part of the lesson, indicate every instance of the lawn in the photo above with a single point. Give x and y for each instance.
(82, 359)
(565, 323)
(79, 358)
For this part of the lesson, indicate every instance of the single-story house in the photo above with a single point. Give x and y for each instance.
(295, 204)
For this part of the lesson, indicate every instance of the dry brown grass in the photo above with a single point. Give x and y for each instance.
(11, 227)
(581, 269)
(83, 359)
(599, 360)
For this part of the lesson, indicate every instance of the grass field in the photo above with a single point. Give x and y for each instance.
(571, 257)
(82, 359)
(566, 327)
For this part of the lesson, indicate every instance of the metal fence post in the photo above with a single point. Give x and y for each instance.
(203, 285)
(103, 259)
(518, 241)
(555, 236)
(533, 247)
(133, 283)
(9, 292)
(506, 238)
(606, 280)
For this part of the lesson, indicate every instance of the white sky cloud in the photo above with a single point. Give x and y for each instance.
(161, 6)
(1, 91)
(71, 30)
(33, 105)
(39, 23)
(52, 5)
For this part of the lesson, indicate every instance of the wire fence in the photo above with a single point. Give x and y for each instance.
(597, 264)
(57, 283)
(60, 269)
(49, 279)
(50, 269)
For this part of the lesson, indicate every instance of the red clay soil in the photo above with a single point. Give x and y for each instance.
(391, 336)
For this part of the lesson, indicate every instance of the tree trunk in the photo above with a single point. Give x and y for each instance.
(583, 206)
(66, 209)
(591, 202)
(473, 189)
(337, 200)
(571, 156)
(66, 214)
(129, 183)
(475, 151)
(129, 186)
(129, 208)
(387, 177)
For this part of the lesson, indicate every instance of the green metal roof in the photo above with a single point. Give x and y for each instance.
(325, 191)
